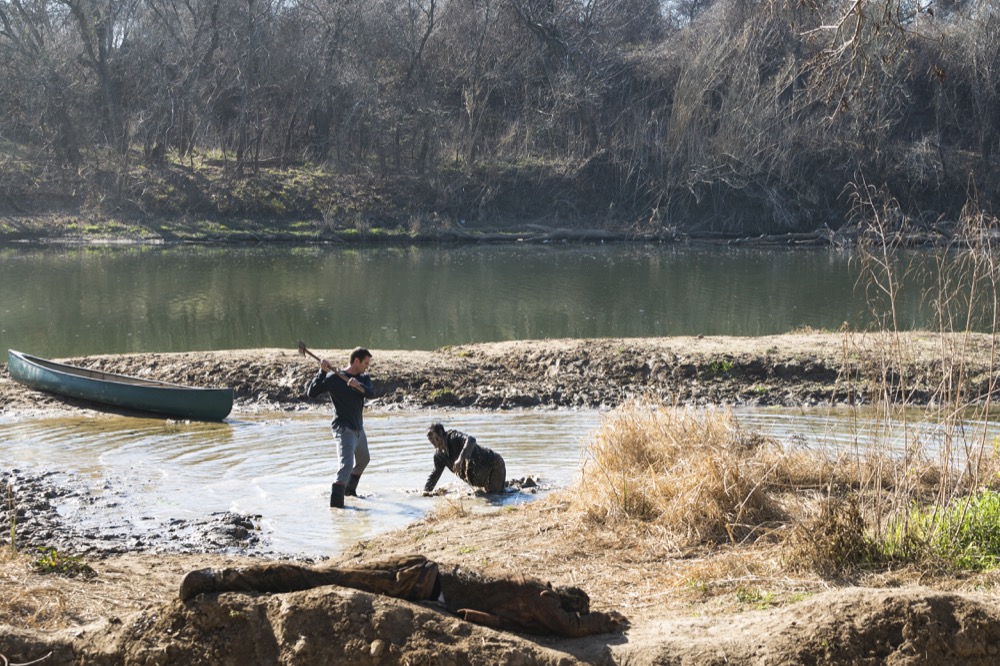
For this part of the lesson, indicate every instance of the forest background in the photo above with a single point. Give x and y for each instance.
(718, 117)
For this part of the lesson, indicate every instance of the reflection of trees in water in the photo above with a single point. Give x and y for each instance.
(86, 302)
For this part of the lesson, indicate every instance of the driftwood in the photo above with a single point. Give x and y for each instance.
(817, 238)
(850, 236)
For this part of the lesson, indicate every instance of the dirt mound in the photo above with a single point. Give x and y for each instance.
(855, 626)
(913, 626)
(341, 626)
(333, 626)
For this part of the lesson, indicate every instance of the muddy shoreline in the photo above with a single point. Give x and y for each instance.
(801, 369)
(797, 369)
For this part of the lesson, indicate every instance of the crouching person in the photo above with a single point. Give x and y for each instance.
(476, 465)
(517, 603)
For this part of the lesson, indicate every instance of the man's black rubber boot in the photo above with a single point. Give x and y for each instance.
(352, 486)
(337, 496)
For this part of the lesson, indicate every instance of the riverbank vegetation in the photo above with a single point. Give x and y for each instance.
(919, 486)
(683, 478)
(686, 117)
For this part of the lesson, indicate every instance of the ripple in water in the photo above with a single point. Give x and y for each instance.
(281, 467)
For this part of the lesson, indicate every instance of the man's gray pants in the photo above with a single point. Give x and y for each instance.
(352, 450)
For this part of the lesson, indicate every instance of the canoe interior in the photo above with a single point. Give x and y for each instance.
(105, 376)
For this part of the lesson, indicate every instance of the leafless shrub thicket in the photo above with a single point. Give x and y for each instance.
(732, 115)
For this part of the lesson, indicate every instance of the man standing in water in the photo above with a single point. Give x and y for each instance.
(348, 389)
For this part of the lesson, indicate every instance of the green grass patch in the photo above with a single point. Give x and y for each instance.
(720, 367)
(755, 597)
(443, 395)
(51, 561)
(963, 533)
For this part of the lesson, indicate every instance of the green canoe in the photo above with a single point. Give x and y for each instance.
(133, 393)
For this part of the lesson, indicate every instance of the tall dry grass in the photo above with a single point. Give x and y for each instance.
(916, 470)
(695, 473)
(917, 478)
(33, 605)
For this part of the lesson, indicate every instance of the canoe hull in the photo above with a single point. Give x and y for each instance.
(133, 393)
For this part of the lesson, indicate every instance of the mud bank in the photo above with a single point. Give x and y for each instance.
(795, 369)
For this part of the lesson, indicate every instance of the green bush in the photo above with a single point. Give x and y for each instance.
(964, 533)
(51, 561)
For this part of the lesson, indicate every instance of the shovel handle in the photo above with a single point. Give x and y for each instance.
(304, 351)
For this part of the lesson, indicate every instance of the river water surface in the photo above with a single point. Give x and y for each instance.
(61, 302)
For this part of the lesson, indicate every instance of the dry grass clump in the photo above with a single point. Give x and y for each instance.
(450, 510)
(23, 604)
(695, 473)
(691, 477)
(833, 541)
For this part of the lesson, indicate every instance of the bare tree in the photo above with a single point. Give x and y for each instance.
(976, 40)
(170, 74)
(102, 28)
(37, 97)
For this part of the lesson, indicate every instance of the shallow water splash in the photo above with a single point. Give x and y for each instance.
(280, 466)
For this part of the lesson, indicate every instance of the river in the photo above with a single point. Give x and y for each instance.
(58, 302)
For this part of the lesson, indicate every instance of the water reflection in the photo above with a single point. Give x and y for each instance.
(60, 302)
(857, 430)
